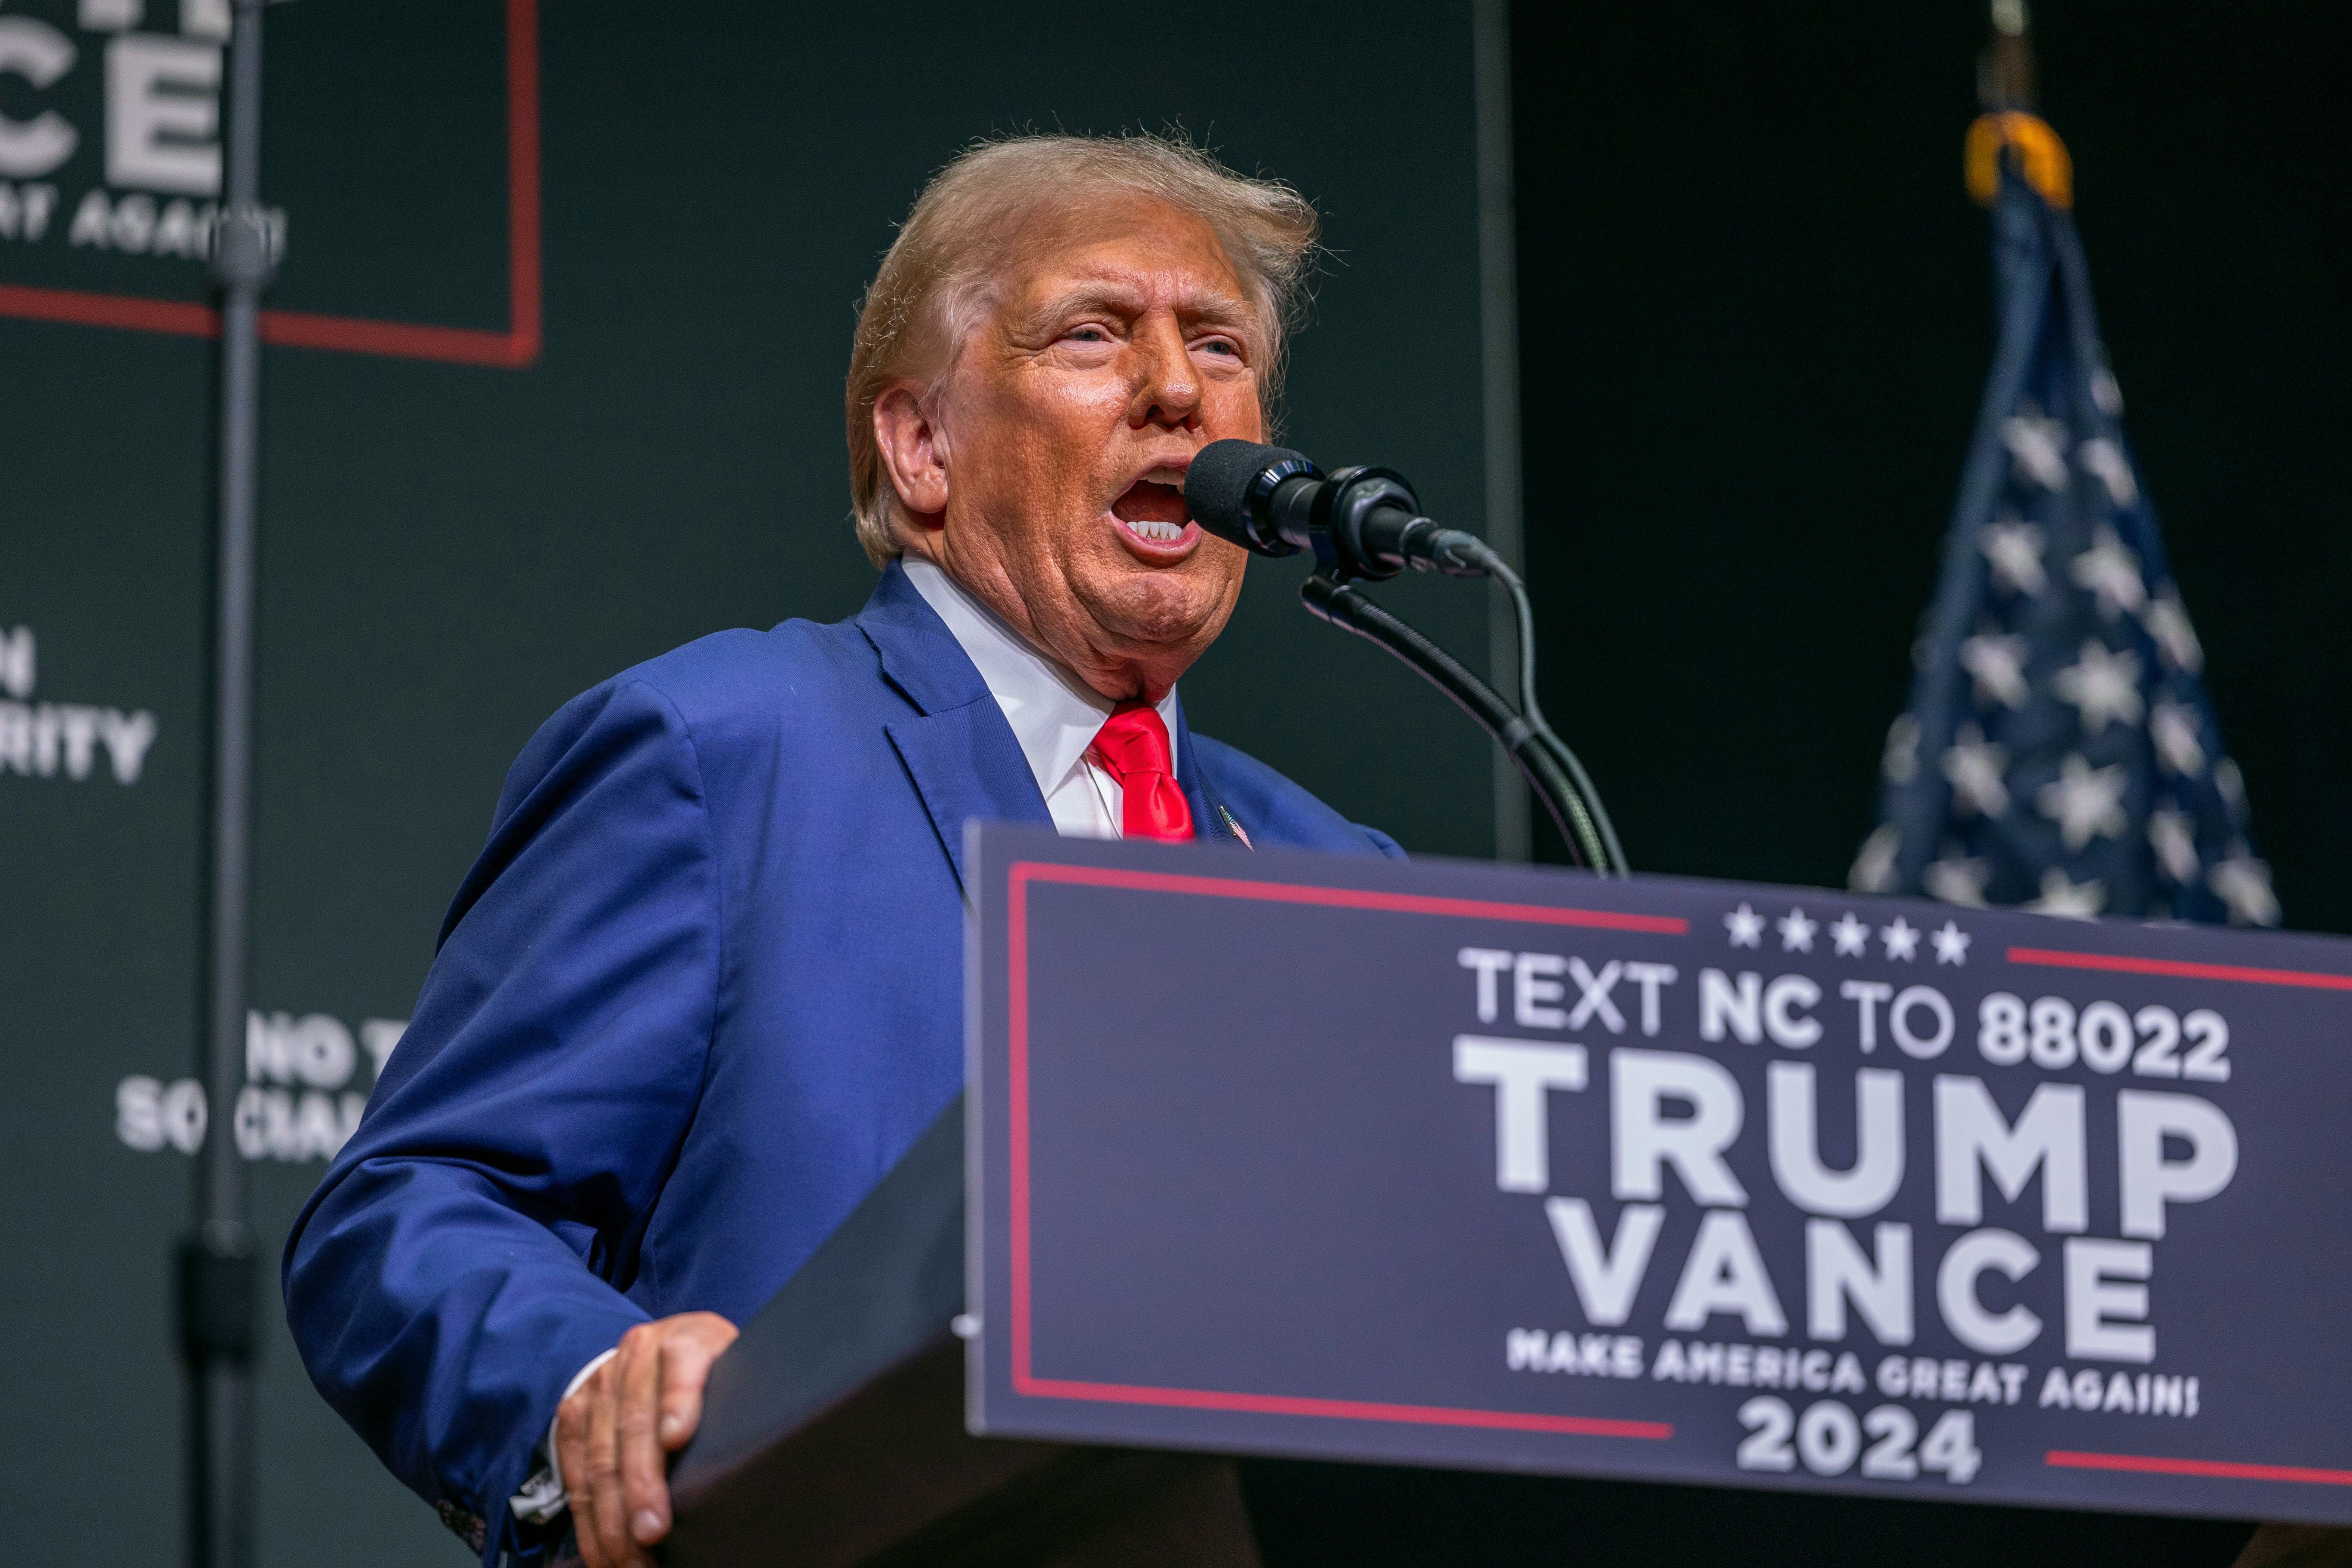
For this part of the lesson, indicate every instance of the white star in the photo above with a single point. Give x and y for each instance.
(1900, 761)
(2085, 802)
(2013, 549)
(1997, 665)
(2244, 884)
(1797, 932)
(1852, 937)
(2105, 686)
(2174, 728)
(1957, 881)
(2167, 623)
(2106, 393)
(2174, 839)
(1974, 766)
(1902, 939)
(2102, 456)
(2110, 572)
(2230, 783)
(2040, 447)
(1874, 867)
(2067, 899)
(1951, 944)
(1746, 927)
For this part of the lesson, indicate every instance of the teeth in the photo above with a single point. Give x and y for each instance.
(1158, 532)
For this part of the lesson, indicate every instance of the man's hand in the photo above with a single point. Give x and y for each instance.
(615, 1435)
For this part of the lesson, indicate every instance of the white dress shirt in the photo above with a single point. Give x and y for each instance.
(1054, 716)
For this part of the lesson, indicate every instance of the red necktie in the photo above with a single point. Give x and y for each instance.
(1132, 747)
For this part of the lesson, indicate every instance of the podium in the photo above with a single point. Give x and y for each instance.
(833, 1436)
(1421, 1244)
(834, 1431)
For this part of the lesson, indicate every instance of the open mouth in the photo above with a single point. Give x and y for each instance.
(1153, 511)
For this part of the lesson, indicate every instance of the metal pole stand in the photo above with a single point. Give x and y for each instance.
(217, 1273)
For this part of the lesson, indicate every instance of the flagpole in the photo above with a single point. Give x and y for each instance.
(2005, 70)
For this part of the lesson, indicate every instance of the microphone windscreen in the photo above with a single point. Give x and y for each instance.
(1217, 486)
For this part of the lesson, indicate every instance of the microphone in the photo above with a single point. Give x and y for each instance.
(1366, 522)
(1360, 522)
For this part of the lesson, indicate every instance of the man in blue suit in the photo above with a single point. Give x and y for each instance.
(704, 985)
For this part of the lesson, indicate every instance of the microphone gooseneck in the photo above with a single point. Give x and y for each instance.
(1350, 610)
(1366, 522)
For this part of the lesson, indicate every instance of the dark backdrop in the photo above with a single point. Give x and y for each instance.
(1755, 323)
(449, 552)
(1757, 318)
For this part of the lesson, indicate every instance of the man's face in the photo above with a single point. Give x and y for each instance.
(1060, 441)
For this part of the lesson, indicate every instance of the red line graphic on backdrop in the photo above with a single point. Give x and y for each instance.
(518, 346)
(1024, 1379)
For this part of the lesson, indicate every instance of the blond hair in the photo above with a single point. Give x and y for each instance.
(934, 282)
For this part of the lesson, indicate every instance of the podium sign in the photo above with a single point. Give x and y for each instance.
(1507, 1168)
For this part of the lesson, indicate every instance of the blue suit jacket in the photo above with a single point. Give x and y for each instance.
(702, 989)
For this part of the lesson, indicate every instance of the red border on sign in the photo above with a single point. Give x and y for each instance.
(2223, 1470)
(518, 346)
(2155, 1464)
(2060, 959)
(1024, 1380)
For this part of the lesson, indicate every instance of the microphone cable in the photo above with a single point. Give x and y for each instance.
(1543, 761)
(1532, 710)
(1459, 554)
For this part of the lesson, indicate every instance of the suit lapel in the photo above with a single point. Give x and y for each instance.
(1212, 820)
(957, 748)
(966, 764)
(956, 745)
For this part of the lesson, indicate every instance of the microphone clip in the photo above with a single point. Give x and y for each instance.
(1353, 519)
(1350, 509)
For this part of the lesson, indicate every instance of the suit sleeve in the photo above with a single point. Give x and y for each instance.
(470, 1248)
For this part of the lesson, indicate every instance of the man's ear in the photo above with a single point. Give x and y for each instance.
(914, 450)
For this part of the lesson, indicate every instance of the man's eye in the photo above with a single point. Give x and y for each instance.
(1225, 346)
(1089, 335)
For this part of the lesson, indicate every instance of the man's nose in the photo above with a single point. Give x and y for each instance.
(1168, 389)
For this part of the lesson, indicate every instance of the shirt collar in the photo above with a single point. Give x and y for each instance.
(1053, 714)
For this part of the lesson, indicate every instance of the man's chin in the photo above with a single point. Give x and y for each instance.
(1163, 611)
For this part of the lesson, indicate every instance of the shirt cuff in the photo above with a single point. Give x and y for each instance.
(544, 1495)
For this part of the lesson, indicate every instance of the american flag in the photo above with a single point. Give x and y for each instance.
(2060, 751)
